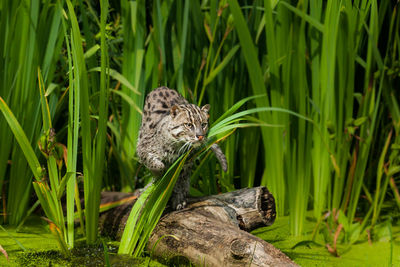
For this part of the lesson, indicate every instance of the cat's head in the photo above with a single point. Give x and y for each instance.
(189, 123)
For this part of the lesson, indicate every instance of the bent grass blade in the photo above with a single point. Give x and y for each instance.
(148, 209)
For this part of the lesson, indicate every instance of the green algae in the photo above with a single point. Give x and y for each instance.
(42, 250)
(305, 252)
(33, 236)
(81, 256)
(38, 247)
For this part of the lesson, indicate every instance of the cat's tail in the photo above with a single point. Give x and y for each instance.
(220, 156)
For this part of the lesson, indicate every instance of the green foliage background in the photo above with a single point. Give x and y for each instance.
(336, 63)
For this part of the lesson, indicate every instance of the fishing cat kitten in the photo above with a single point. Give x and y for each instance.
(170, 126)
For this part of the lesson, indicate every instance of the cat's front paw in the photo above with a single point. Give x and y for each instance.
(178, 202)
(181, 206)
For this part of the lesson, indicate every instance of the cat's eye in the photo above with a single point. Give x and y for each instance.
(204, 125)
(188, 125)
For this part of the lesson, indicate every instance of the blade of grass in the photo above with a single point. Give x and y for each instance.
(273, 157)
(72, 145)
(147, 211)
(21, 139)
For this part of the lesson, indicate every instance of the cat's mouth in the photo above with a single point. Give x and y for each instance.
(192, 143)
(198, 140)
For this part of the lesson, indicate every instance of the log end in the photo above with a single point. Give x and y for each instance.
(268, 207)
(263, 213)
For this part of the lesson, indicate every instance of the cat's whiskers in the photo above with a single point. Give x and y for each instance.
(183, 148)
(188, 146)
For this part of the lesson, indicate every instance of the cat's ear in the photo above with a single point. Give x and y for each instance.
(174, 110)
(205, 108)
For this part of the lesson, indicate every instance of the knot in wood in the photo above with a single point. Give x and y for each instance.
(239, 249)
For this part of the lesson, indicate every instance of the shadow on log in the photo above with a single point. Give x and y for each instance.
(211, 231)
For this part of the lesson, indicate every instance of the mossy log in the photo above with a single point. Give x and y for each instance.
(211, 231)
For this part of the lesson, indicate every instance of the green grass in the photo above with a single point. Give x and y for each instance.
(319, 77)
(21, 55)
(147, 211)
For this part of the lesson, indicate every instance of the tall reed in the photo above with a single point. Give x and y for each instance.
(30, 37)
(93, 139)
(331, 63)
(312, 55)
(304, 56)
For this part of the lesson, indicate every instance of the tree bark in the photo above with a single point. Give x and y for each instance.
(211, 231)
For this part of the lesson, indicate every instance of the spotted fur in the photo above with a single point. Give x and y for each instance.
(170, 127)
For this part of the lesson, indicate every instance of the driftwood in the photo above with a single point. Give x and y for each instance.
(210, 232)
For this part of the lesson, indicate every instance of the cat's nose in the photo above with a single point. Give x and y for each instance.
(200, 137)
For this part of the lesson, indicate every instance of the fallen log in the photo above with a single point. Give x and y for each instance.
(211, 231)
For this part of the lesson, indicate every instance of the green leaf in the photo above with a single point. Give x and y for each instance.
(313, 22)
(393, 170)
(91, 51)
(355, 231)
(127, 98)
(359, 121)
(50, 89)
(343, 220)
(63, 183)
(252, 111)
(21, 139)
(222, 65)
(119, 77)
(148, 209)
(45, 106)
(133, 226)
(234, 108)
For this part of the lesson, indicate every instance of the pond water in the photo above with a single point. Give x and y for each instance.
(41, 249)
